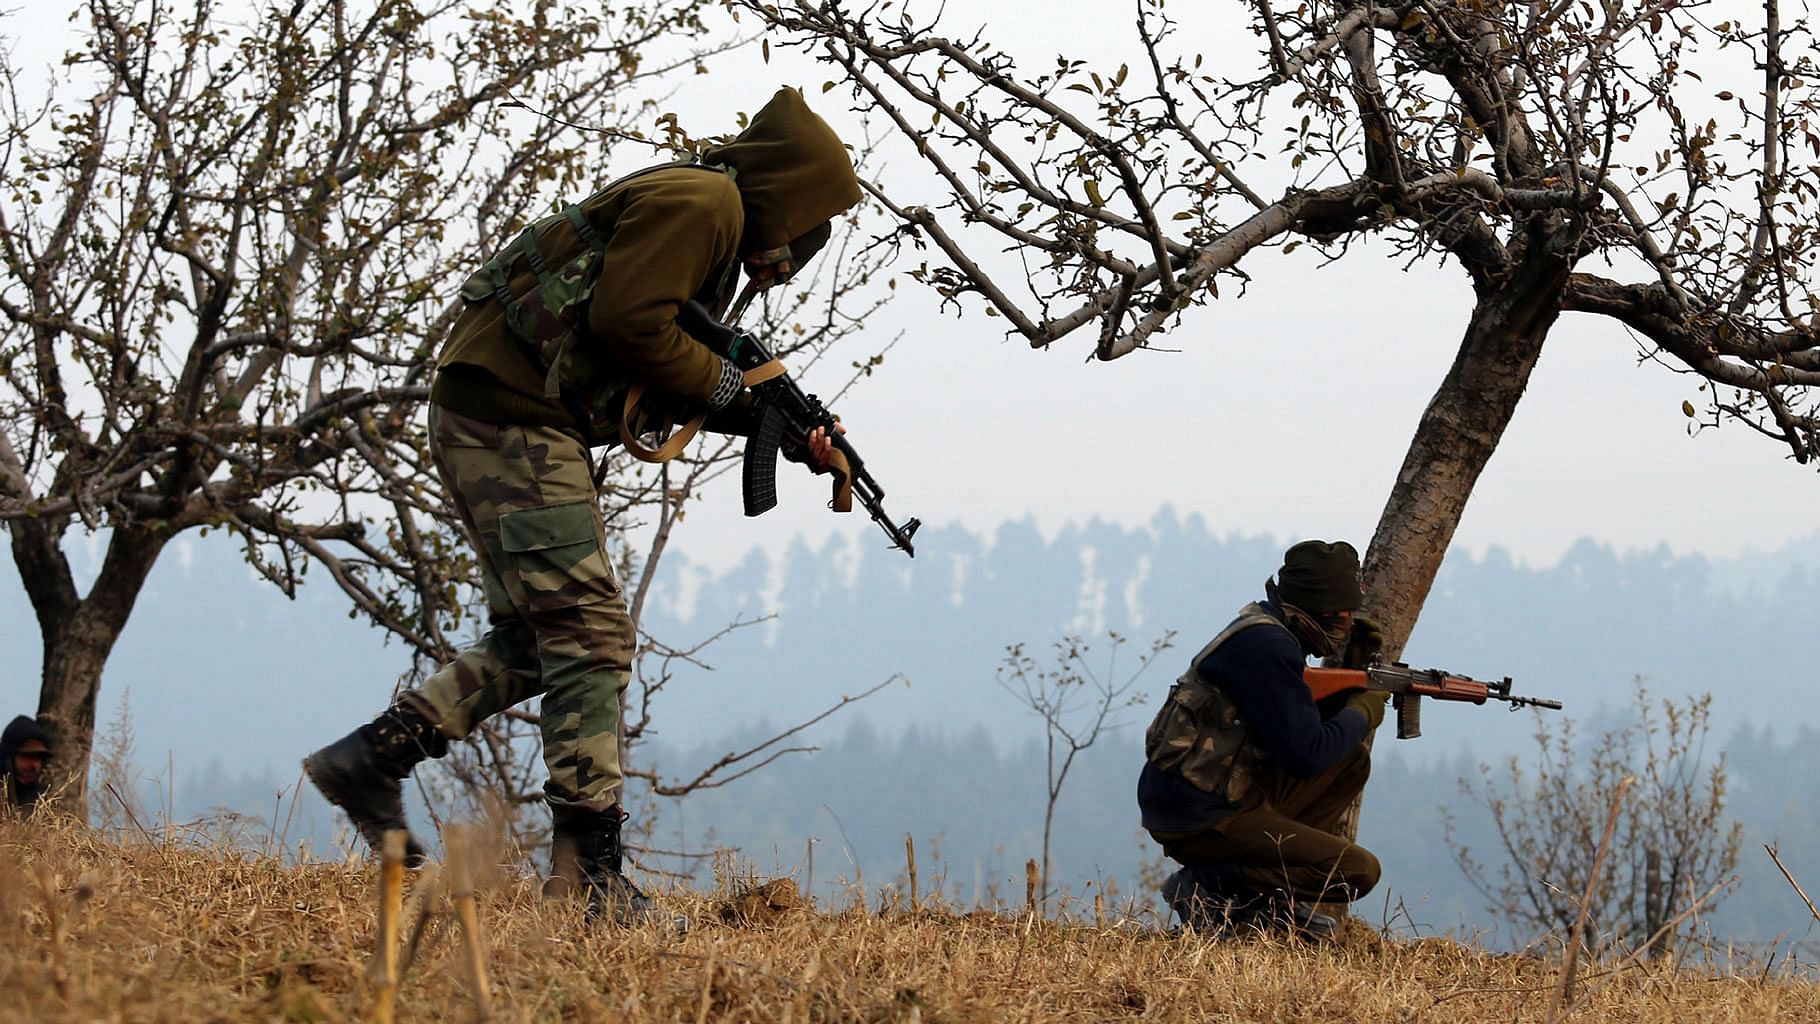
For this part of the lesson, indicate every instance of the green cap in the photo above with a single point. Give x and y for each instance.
(1321, 577)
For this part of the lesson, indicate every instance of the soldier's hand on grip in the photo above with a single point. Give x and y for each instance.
(1364, 643)
(1370, 704)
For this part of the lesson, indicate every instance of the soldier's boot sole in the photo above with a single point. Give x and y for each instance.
(349, 776)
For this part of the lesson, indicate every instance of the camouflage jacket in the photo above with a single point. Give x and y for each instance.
(1239, 718)
(1198, 734)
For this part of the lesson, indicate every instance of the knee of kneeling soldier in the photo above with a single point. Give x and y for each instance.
(1361, 869)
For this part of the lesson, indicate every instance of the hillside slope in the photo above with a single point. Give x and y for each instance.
(186, 932)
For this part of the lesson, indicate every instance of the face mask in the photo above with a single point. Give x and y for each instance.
(1314, 633)
(1338, 633)
(810, 242)
(772, 258)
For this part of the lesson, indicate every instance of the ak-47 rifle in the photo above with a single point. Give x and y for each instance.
(786, 413)
(1407, 686)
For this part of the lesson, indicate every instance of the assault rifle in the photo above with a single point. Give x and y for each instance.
(786, 413)
(1407, 686)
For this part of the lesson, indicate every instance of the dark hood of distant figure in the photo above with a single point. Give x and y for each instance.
(19, 732)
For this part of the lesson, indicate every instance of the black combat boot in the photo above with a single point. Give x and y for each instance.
(585, 859)
(1202, 899)
(1213, 900)
(1311, 923)
(361, 772)
(1276, 911)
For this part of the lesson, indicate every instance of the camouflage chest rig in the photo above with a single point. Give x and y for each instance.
(1197, 733)
(552, 316)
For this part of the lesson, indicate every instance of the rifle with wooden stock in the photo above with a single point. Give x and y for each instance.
(787, 414)
(1407, 686)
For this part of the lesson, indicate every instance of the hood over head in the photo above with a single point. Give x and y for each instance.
(18, 732)
(793, 175)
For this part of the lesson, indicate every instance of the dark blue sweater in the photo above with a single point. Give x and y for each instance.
(1260, 669)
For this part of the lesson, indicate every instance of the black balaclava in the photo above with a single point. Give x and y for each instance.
(1318, 580)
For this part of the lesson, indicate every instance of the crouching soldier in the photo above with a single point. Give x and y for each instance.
(559, 327)
(1246, 777)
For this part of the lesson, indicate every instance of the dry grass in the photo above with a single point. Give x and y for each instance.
(181, 933)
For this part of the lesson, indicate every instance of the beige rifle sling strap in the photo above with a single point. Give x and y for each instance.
(843, 482)
(842, 499)
(673, 447)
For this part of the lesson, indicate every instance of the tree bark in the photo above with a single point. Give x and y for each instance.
(1456, 437)
(79, 634)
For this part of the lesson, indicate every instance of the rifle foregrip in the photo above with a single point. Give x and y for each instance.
(758, 474)
(1409, 716)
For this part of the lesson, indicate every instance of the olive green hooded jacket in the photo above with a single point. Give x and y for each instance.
(671, 234)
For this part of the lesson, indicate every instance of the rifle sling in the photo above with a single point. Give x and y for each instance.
(843, 481)
(673, 447)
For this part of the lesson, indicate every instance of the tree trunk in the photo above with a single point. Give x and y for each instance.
(1456, 437)
(79, 634)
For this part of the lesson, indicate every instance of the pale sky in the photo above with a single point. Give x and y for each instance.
(1286, 411)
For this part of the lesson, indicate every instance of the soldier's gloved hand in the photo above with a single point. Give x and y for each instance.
(1363, 643)
(1370, 704)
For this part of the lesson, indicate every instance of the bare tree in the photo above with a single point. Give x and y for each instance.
(230, 249)
(1676, 850)
(1076, 703)
(1566, 157)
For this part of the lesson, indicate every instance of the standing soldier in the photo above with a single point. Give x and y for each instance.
(1246, 778)
(559, 324)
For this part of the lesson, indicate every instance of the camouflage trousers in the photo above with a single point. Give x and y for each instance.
(558, 622)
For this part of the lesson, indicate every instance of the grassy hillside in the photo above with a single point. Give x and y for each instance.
(155, 931)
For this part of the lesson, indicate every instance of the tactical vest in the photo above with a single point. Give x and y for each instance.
(1197, 733)
(547, 320)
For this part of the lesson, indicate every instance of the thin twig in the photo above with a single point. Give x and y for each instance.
(910, 859)
(461, 887)
(1564, 991)
(705, 779)
(383, 970)
(707, 989)
(134, 819)
(1023, 941)
(1791, 880)
(60, 975)
(424, 897)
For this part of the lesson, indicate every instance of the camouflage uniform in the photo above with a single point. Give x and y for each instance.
(558, 327)
(560, 628)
